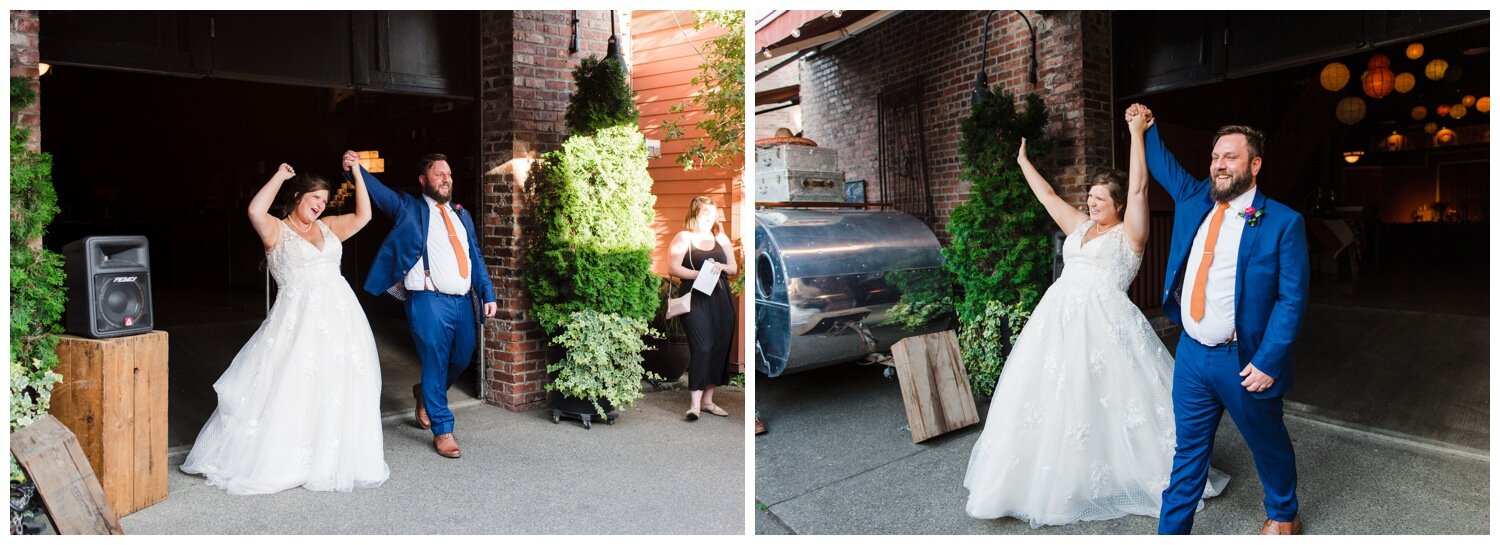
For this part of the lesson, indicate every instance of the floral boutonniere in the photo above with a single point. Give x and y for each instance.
(457, 208)
(1252, 215)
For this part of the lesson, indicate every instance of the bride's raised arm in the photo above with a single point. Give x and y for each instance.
(1138, 206)
(1065, 215)
(346, 225)
(260, 207)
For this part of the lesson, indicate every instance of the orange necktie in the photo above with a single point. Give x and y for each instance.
(458, 247)
(1196, 310)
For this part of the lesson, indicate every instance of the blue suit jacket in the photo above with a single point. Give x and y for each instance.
(403, 246)
(1270, 293)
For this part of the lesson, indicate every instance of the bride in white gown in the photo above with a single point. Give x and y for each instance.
(1081, 424)
(300, 404)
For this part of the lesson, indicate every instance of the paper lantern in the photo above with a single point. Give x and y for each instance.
(1414, 51)
(1442, 110)
(1334, 76)
(1458, 111)
(1419, 113)
(1350, 110)
(1378, 82)
(1468, 101)
(1445, 137)
(1483, 104)
(1429, 128)
(1436, 68)
(1378, 61)
(1395, 142)
(1405, 82)
(1352, 157)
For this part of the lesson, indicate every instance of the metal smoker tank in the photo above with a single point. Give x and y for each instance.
(821, 290)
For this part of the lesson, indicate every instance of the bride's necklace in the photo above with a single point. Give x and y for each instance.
(300, 229)
(1099, 232)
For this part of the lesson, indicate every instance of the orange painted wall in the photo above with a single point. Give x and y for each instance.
(665, 57)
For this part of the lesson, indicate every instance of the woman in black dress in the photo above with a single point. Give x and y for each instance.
(710, 324)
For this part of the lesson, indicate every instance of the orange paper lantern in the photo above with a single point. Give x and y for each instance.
(1436, 68)
(1378, 61)
(1445, 137)
(1483, 104)
(1414, 51)
(1395, 142)
(1442, 110)
(1429, 128)
(1378, 82)
(1468, 100)
(1405, 82)
(1458, 111)
(1350, 110)
(1334, 76)
(1419, 113)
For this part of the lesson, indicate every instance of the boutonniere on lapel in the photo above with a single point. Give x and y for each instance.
(457, 208)
(1252, 215)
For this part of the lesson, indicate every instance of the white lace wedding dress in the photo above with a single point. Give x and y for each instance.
(300, 404)
(1081, 424)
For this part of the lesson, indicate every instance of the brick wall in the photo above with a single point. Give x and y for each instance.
(525, 82)
(24, 32)
(941, 49)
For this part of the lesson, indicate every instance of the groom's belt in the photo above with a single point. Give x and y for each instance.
(1233, 340)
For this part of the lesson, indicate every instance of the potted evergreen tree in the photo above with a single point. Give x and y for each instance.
(1000, 253)
(589, 270)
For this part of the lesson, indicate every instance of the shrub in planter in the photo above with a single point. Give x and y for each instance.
(589, 250)
(999, 250)
(603, 360)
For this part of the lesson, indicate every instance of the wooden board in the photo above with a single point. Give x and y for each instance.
(70, 492)
(113, 397)
(934, 385)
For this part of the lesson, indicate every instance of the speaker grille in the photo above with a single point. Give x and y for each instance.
(121, 300)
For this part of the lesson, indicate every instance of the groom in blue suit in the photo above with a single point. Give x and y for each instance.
(431, 261)
(1238, 264)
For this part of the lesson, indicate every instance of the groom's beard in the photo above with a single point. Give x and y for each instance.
(432, 191)
(1239, 184)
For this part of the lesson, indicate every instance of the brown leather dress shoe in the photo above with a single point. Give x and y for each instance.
(447, 446)
(1278, 528)
(760, 427)
(422, 420)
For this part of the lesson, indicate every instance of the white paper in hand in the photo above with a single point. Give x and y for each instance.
(708, 277)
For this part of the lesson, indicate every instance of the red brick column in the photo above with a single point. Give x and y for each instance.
(941, 49)
(24, 32)
(526, 79)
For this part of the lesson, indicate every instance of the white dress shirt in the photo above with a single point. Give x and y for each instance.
(445, 272)
(1217, 326)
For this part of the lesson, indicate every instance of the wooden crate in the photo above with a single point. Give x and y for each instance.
(64, 479)
(934, 385)
(113, 396)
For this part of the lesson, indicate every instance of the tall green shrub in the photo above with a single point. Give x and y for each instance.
(999, 250)
(36, 276)
(589, 256)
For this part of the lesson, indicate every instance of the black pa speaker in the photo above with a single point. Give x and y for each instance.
(109, 286)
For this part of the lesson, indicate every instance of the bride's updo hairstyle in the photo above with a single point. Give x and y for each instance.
(1115, 182)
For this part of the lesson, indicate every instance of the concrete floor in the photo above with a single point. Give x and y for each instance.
(207, 328)
(838, 459)
(649, 473)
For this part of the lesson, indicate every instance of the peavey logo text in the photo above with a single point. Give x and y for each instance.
(124, 279)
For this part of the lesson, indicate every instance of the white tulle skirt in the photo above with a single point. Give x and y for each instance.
(1081, 424)
(300, 404)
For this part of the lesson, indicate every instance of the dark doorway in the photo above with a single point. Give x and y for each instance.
(177, 160)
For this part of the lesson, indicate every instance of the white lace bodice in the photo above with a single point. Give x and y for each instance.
(294, 259)
(1107, 258)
